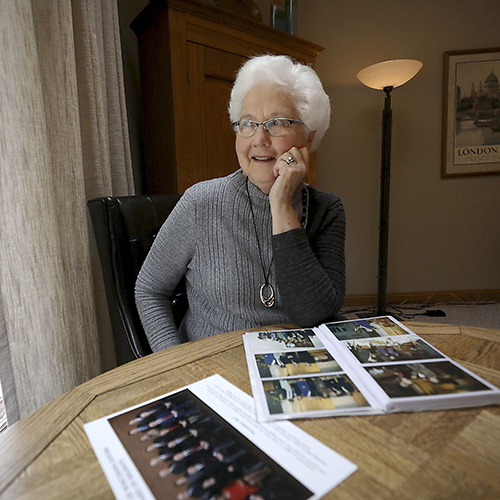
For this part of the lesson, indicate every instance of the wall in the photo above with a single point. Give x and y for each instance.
(444, 233)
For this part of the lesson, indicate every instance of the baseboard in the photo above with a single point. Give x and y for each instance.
(461, 296)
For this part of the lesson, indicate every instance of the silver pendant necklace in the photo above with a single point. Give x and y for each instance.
(266, 290)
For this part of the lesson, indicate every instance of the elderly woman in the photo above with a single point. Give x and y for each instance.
(259, 246)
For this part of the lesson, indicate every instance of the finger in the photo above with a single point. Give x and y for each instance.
(300, 160)
(294, 160)
(305, 154)
(287, 158)
(299, 155)
(292, 157)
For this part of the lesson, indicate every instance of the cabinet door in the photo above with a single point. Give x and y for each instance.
(190, 53)
(210, 152)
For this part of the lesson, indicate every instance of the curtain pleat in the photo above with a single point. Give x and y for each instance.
(101, 90)
(107, 164)
(64, 140)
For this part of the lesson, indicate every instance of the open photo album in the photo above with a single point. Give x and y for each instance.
(356, 367)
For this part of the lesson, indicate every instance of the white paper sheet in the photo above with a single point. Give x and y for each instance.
(288, 451)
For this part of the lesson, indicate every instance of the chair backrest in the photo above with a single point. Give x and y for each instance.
(125, 227)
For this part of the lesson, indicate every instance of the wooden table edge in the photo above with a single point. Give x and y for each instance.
(50, 423)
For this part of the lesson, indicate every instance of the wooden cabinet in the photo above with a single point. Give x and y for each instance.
(189, 53)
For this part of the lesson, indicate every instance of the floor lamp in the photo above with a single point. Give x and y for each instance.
(386, 76)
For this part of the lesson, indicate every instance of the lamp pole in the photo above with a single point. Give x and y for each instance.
(385, 179)
(386, 76)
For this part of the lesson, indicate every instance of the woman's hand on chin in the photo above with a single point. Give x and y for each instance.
(289, 174)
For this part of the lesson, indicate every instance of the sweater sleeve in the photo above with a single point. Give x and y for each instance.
(310, 267)
(163, 268)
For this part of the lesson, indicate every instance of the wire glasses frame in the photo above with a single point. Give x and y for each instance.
(275, 126)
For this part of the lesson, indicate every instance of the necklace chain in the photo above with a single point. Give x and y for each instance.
(266, 290)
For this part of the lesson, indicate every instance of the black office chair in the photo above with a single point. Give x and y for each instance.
(125, 227)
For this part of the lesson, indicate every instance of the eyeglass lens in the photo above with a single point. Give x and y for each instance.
(275, 126)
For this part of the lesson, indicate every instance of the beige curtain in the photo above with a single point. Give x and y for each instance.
(63, 140)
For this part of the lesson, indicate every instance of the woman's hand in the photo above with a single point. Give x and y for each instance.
(289, 174)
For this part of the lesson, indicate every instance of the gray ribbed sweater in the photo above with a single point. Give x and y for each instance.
(210, 238)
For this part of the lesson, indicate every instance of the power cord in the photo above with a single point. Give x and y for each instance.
(407, 312)
(400, 313)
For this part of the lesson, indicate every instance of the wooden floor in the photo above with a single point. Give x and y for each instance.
(479, 315)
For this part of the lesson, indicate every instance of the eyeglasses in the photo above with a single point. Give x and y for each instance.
(275, 126)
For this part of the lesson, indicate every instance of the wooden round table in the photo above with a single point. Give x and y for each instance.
(429, 455)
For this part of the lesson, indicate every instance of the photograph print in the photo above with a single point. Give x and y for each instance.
(185, 450)
(290, 363)
(471, 113)
(283, 340)
(301, 395)
(391, 349)
(365, 328)
(424, 379)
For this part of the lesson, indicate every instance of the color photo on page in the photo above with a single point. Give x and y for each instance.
(184, 450)
(203, 442)
(365, 328)
(424, 379)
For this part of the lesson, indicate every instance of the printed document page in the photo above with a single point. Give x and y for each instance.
(204, 441)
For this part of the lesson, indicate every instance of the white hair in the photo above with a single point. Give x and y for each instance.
(301, 81)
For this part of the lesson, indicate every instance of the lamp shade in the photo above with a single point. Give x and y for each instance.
(393, 73)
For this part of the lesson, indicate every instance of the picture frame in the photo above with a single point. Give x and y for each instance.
(471, 113)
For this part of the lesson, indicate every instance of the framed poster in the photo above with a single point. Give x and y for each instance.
(471, 113)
